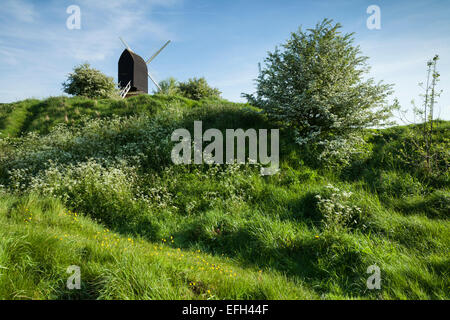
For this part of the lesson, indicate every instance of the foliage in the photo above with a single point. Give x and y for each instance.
(401, 148)
(89, 82)
(428, 152)
(316, 85)
(335, 208)
(197, 89)
(169, 86)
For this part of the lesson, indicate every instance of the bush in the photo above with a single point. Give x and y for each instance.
(316, 86)
(107, 194)
(197, 89)
(89, 82)
(337, 211)
(169, 87)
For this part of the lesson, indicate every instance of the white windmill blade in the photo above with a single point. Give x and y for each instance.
(157, 52)
(125, 44)
(153, 80)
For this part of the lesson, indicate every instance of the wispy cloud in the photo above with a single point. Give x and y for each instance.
(19, 10)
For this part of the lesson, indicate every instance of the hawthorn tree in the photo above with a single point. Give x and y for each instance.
(89, 82)
(317, 85)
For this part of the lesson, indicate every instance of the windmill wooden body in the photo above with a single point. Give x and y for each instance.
(133, 72)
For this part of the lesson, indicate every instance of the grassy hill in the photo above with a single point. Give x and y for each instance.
(91, 183)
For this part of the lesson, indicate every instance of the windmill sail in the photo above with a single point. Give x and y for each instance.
(157, 52)
(125, 44)
(154, 82)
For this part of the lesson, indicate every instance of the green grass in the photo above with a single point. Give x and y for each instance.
(13, 117)
(40, 116)
(146, 229)
(40, 239)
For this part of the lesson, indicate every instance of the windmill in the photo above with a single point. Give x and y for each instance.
(133, 71)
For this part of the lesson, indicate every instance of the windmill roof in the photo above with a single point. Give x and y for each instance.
(135, 56)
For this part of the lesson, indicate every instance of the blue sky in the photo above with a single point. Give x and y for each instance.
(220, 40)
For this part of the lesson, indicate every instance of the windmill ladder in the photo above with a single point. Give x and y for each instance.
(125, 90)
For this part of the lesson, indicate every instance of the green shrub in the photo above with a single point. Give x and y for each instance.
(88, 82)
(169, 86)
(197, 89)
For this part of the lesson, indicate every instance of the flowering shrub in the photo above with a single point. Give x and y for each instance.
(135, 140)
(337, 212)
(316, 84)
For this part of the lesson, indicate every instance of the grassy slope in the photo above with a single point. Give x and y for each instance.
(39, 116)
(40, 239)
(262, 234)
